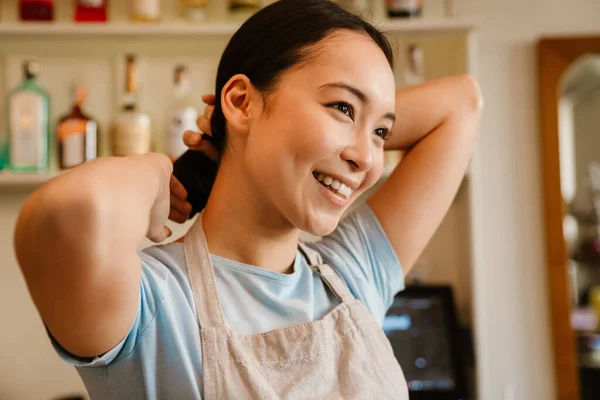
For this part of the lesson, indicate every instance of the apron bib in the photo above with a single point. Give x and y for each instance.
(344, 355)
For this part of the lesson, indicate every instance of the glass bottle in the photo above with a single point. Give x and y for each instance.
(131, 130)
(91, 10)
(414, 74)
(36, 10)
(404, 8)
(28, 127)
(182, 116)
(77, 134)
(193, 10)
(144, 10)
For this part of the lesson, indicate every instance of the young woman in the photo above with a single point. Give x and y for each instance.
(241, 309)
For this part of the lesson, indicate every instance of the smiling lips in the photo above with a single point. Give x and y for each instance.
(334, 185)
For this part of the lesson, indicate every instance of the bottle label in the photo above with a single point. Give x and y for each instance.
(181, 120)
(404, 5)
(91, 3)
(28, 135)
(130, 137)
(78, 142)
(145, 9)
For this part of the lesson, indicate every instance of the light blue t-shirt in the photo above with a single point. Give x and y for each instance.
(161, 356)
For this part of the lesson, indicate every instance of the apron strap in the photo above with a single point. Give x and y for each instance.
(202, 277)
(328, 274)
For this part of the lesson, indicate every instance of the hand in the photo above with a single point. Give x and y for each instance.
(163, 167)
(180, 208)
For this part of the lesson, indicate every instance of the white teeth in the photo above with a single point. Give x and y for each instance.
(342, 189)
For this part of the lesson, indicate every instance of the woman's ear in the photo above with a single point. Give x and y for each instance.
(237, 99)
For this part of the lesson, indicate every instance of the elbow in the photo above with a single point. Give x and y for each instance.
(472, 93)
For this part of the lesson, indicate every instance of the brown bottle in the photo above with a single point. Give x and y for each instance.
(77, 134)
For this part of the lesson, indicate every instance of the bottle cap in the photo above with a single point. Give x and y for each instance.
(79, 93)
(31, 69)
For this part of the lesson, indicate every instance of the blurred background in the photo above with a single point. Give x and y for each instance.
(513, 267)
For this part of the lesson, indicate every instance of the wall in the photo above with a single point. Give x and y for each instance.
(514, 345)
(513, 340)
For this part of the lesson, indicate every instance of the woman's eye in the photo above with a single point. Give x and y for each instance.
(383, 133)
(344, 108)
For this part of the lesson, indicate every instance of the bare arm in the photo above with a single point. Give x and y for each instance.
(438, 123)
(76, 242)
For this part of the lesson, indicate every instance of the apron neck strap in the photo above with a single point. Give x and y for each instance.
(328, 275)
(204, 286)
(202, 277)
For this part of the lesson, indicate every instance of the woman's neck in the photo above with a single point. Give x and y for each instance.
(239, 226)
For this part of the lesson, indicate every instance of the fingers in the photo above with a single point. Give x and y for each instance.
(177, 216)
(209, 99)
(180, 205)
(177, 189)
(163, 235)
(192, 139)
(203, 121)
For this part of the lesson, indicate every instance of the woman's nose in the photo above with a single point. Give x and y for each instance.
(359, 153)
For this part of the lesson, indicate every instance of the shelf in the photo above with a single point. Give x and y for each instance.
(17, 182)
(226, 28)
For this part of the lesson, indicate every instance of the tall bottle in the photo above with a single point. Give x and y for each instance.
(144, 10)
(28, 124)
(131, 130)
(91, 10)
(77, 134)
(36, 10)
(182, 114)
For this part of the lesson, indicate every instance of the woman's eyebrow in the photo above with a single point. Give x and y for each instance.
(355, 91)
(358, 93)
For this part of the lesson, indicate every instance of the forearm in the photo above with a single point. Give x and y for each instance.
(421, 109)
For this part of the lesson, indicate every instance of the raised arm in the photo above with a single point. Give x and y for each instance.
(76, 242)
(437, 123)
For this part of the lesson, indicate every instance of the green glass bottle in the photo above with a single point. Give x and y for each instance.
(28, 137)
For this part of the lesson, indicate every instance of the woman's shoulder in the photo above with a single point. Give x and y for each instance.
(164, 271)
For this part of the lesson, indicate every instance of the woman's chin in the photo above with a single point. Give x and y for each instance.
(322, 226)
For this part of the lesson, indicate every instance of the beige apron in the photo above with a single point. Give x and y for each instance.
(344, 355)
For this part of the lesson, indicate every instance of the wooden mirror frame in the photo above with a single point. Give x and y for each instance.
(555, 56)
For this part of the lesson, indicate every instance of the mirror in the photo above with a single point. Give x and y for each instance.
(579, 154)
(569, 88)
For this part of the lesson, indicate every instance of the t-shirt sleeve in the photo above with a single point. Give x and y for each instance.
(360, 252)
(152, 289)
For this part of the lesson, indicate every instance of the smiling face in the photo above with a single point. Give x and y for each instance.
(319, 145)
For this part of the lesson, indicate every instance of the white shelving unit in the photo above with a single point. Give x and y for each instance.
(93, 55)
(225, 28)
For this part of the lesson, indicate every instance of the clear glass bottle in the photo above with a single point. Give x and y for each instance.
(131, 129)
(193, 10)
(28, 124)
(182, 115)
(77, 134)
(144, 10)
(91, 10)
(414, 74)
(36, 10)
